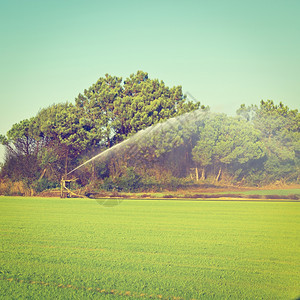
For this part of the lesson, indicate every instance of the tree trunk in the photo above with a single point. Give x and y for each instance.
(203, 174)
(43, 173)
(219, 174)
(27, 145)
(93, 172)
(66, 163)
(197, 174)
(61, 189)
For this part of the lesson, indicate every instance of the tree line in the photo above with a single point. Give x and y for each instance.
(260, 145)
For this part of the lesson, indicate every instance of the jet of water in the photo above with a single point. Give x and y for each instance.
(132, 143)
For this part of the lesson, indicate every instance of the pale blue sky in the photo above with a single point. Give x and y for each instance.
(224, 53)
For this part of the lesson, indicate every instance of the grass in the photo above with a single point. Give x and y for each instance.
(77, 248)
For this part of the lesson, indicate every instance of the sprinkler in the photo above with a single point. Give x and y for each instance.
(65, 188)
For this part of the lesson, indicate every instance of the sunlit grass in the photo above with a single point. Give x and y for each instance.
(77, 248)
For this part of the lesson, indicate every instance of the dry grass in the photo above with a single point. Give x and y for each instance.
(10, 188)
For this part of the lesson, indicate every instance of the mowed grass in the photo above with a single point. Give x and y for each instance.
(79, 249)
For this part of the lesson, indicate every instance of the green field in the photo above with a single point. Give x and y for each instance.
(79, 249)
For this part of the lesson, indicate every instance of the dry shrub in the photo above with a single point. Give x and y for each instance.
(18, 188)
(4, 187)
(117, 194)
(10, 188)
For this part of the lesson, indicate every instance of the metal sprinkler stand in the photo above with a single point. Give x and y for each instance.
(65, 185)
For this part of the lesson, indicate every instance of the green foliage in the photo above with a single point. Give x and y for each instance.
(130, 181)
(151, 183)
(261, 145)
(225, 141)
(280, 134)
(44, 184)
(19, 167)
(68, 132)
(3, 140)
(140, 102)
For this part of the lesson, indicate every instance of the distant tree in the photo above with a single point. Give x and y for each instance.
(148, 101)
(23, 146)
(98, 104)
(247, 113)
(123, 109)
(261, 145)
(280, 134)
(68, 131)
(140, 102)
(226, 141)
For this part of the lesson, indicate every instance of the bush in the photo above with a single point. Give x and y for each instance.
(109, 184)
(5, 187)
(129, 182)
(150, 183)
(10, 188)
(294, 197)
(145, 196)
(255, 196)
(44, 184)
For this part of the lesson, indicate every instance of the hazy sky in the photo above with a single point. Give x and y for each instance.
(224, 53)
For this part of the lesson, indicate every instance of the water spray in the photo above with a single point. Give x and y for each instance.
(137, 139)
(146, 133)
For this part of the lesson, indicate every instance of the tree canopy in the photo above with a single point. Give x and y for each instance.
(259, 146)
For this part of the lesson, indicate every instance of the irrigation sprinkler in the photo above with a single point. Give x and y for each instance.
(65, 188)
